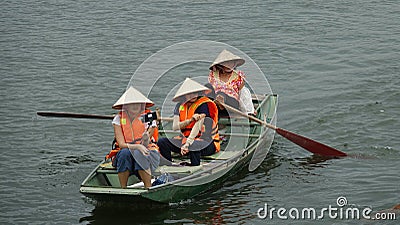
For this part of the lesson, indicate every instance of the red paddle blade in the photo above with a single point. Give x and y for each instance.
(310, 145)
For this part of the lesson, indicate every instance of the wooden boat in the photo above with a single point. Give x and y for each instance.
(240, 139)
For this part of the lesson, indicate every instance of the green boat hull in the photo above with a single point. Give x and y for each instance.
(102, 185)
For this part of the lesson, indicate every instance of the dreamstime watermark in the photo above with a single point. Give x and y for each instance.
(342, 210)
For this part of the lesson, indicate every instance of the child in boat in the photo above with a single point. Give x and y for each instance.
(196, 116)
(229, 84)
(137, 153)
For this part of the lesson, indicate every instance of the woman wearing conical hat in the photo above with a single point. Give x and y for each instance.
(196, 116)
(229, 83)
(135, 152)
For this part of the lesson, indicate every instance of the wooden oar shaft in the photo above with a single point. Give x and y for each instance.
(306, 143)
(230, 108)
(83, 116)
(75, 115)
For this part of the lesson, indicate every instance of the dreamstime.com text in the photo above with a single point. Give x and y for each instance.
(341, 211)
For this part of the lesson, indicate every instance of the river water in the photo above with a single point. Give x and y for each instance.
(334, 64)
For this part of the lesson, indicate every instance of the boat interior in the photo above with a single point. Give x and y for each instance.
(237, 135)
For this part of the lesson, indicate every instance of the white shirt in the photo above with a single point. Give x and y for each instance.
(116, 120)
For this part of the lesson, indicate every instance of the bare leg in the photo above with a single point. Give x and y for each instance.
(123, 178)
(146, 177)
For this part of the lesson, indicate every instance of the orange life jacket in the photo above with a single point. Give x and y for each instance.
(133, 133)
(186, 112)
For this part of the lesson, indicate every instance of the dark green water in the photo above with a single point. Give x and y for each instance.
(334, 64)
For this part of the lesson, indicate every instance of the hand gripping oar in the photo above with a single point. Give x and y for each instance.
(307, 143)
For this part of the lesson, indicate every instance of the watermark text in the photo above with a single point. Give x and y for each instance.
(341, 211)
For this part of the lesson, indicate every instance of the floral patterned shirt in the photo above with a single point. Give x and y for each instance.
(231, 87)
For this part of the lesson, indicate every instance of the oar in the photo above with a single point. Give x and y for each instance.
(75, 115)
(307, 143)
(81, 115)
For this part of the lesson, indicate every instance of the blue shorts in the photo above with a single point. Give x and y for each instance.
(124, 161)
(134, 160)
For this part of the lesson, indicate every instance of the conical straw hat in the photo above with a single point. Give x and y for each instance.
(132, 96)
(189, 86)
(226, 56)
